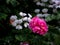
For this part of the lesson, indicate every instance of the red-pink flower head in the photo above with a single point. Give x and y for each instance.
(24, 43)
(38, 25)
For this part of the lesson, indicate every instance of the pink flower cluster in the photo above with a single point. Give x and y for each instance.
(38, 26)
(24, 43)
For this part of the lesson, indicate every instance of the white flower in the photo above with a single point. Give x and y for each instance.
(30, 15)
(45, 15)
(14, 24)
(18, 21)
(37, 10)
(13, 17)
(50, 6)
(38, 3)
(42, 4)
(51, 2)
(22, 14)
(40, 15)
(44, 10)
(58, 6)
(44, 0)
(25, 18)
(26, 24)
(56, 1)
(29, 19)
(18, 27)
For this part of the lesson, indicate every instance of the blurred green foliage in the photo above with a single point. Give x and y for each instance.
(10, 36)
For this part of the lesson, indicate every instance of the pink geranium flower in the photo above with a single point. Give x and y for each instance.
(38, 25)
(24, 43)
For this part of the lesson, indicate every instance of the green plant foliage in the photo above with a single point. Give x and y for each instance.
(10, 36)
(3, 16)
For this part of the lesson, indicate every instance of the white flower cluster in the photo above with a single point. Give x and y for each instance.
(40, 4)
(53, 3)
(42, 15)
(45, 10)
(57, 3)
(17, 22)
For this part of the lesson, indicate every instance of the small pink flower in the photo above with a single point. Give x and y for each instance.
(38, 26)
(24, 43)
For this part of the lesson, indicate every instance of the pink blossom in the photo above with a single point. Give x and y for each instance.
(24, 43)
(38, 25)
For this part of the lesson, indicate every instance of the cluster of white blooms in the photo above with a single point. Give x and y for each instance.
(17, 22)
(45, 10)
(42, 15)
(53, 3)
(56, 3)
(22, 14)
(13, 17)
(40, 4)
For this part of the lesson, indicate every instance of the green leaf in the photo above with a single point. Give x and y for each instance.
(48, 18)
(58, 17)
(13, 2)
(57, 39)
(3, 16)
(7, 1)
(20, 37)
